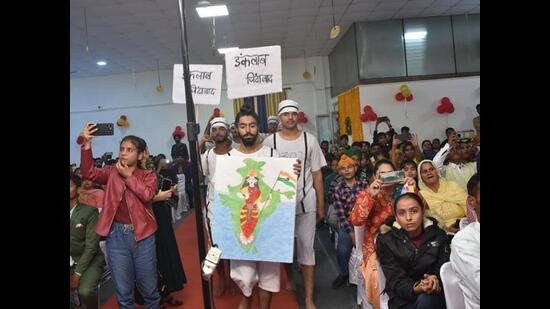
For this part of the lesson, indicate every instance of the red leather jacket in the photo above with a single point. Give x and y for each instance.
(140, 189)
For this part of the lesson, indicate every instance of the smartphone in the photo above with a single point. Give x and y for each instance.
(404, 137)
(465, 135)
(104, 129)
(166, 184)
(392, 177)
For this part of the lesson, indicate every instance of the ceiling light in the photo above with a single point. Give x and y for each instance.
(102, 63)
(213, 10)
(416, 35)
(227, 49)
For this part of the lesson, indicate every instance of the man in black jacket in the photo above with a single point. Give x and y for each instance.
(411, 249)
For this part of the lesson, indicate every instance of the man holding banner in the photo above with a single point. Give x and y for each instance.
(294, 143)
(244, 272)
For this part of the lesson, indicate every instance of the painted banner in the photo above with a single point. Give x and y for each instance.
(254, 208)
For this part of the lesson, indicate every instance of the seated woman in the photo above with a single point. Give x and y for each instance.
(446, 199)
(372, 207)
(411, 249)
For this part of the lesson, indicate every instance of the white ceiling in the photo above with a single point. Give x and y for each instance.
(132, 34)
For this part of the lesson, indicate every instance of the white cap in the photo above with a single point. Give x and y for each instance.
(273, 119)
(218, 122)
(288, 106)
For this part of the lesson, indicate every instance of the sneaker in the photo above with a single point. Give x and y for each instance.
(339, 281)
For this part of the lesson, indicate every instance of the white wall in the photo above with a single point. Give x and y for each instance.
(153, 117)
(423, 118)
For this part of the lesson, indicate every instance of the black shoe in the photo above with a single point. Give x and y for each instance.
(339, 281)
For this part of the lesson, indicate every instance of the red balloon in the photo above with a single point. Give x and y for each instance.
(302, 117)
(445, 100)
(441, 109)
(372, 117)
(216, 112)
(399, 96)
(409, 98)
(80, 140)
(450, 108)
(123, 117)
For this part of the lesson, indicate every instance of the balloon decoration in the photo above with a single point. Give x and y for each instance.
(368, 115)
(80, 140)
(404, 94)
(178, 131)
(123, 121)
(445, 106)
(302, 118)
(216, 112)
(399, 96)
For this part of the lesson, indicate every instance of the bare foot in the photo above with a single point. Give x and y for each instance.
(310, 304)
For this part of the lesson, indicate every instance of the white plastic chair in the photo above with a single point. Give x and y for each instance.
(361, 297)
(453, 294)
(384, 298)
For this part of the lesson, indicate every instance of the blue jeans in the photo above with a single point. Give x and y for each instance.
(131, 261)
(343, 251)
(428, 301)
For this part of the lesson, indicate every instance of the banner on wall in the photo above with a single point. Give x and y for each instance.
(253, 71)
(206, 83)
(349, 114)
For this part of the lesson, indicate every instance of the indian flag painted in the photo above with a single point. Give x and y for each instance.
(287, 179)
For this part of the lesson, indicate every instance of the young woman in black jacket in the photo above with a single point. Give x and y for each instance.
(411, 249)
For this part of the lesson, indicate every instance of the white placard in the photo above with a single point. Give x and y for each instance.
(253, 71)
(206, 83)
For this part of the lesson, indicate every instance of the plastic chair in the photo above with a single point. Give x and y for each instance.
(105, 277)
(384, 298)
(453, 294)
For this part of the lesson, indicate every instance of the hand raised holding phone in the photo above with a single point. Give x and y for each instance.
(87, 134)
(374, 187)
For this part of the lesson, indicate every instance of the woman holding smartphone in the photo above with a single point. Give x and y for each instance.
(372, 207)
(127, 219)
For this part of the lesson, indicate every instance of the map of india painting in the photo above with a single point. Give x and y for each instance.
(254, 208)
